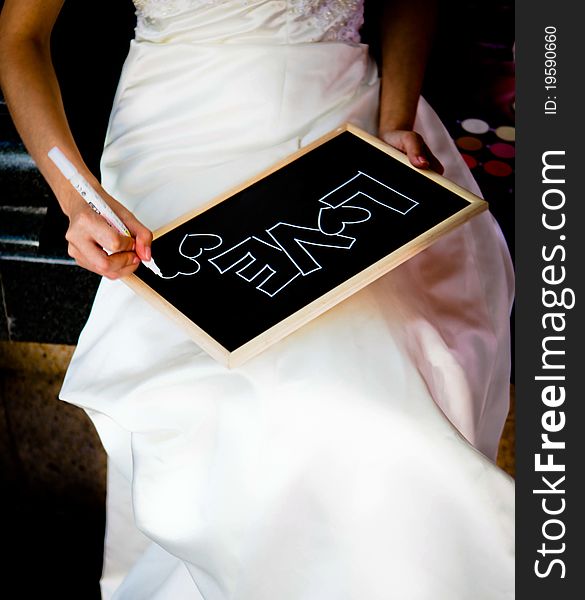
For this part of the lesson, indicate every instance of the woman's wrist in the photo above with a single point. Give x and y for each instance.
(70, 200)
(386, 127)
(395, 116)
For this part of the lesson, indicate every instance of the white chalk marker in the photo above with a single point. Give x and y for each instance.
(93, 198)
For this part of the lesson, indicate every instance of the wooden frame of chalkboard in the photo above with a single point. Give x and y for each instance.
(263, 259)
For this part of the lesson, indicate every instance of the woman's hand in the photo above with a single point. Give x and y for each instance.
(413, 145)
(89, 236)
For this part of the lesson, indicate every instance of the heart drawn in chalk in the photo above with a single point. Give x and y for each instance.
(333, 219)
(191, 248)
(194, 244)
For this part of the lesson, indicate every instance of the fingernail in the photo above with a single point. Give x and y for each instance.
(422, 160)
(148, 253)
(136, 260)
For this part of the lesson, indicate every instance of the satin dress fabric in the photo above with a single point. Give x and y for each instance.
(353, 459)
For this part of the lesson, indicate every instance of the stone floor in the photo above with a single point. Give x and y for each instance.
(52, 475)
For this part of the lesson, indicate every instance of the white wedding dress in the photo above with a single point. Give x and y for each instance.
(347, 462)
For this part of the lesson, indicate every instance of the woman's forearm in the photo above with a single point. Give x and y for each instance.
(407, 34)
(32, 93)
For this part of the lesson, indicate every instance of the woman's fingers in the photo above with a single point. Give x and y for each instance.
(87, 224)
(111, 240)
(113, 266)
(434, 162)
(415, 148)
(141, 234)
(89, 234)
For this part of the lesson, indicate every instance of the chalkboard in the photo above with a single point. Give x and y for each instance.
(260, 261)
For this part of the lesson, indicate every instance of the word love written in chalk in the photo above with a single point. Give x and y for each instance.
(288, 251)
(282, 248)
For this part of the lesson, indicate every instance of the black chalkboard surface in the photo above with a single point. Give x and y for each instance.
(261, 261)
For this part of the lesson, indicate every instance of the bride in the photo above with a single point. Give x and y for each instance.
(354, 459)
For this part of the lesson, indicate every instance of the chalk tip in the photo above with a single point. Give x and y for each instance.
(152, 266)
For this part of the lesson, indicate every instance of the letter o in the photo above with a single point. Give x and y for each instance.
(552, 521)
(552, 206)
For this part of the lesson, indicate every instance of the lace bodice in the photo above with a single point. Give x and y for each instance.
(327, 20)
